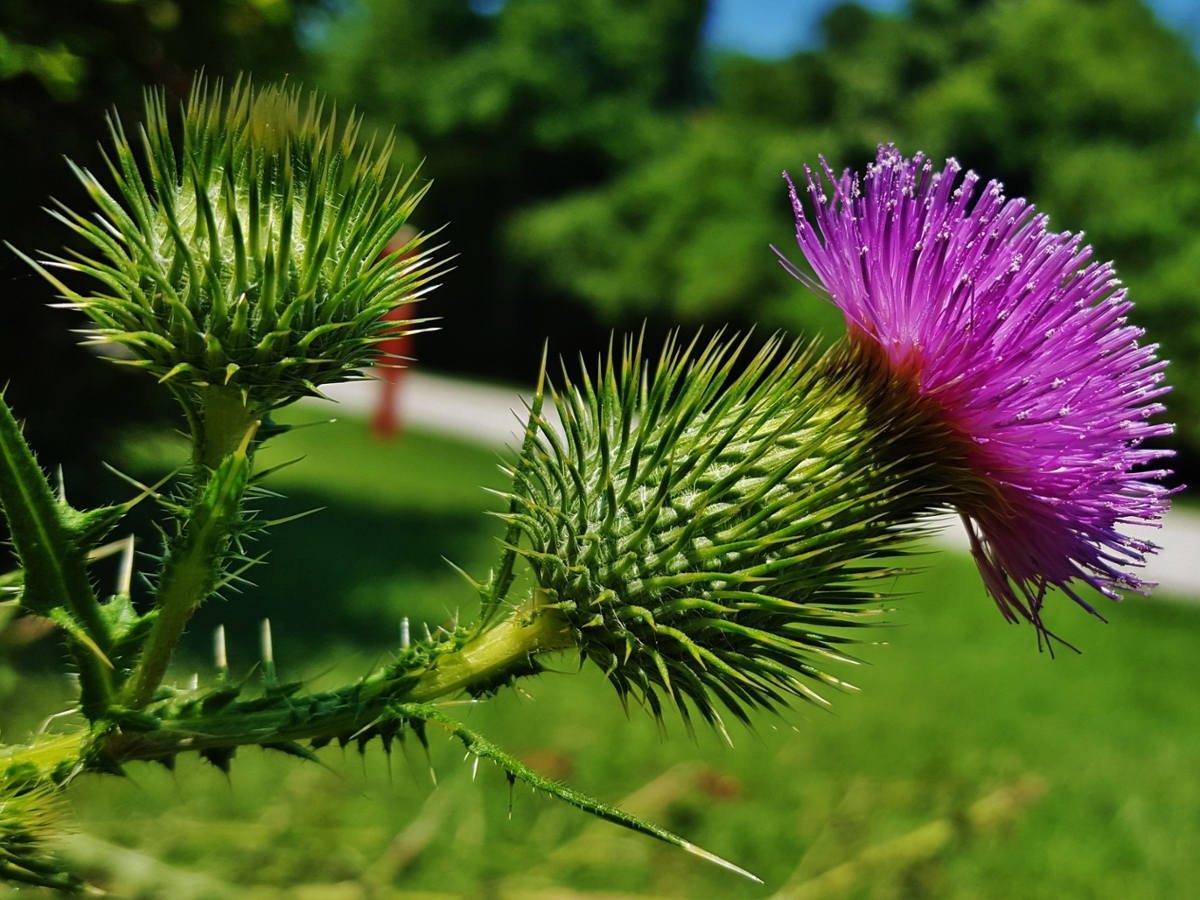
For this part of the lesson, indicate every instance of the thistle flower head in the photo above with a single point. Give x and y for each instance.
(248, 255)
(1015, 338)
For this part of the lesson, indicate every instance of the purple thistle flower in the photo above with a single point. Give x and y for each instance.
(1021, 342)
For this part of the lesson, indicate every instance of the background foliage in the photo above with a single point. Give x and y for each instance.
(586, 163)
(599, 166)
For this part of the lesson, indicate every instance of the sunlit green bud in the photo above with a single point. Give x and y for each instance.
(246, 257)
(712, 536)
(30, 814)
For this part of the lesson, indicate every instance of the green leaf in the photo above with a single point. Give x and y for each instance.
(55, 563)
(480, 747)
(52, 541)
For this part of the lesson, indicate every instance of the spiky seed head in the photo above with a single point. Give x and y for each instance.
(247, 254)
(713, 537)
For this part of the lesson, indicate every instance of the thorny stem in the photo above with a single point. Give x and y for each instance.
(177, 603)
(223, 444)
(482, 661)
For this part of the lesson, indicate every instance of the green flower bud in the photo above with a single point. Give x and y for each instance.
(712, 537)
(30, 814)
(247, 259)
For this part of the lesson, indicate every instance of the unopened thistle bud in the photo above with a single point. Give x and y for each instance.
(31, 812)
(710, 536)
(248, 257)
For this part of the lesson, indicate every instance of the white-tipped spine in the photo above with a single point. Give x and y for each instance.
(268, 648)
(268, 654)
(125, 572)
(219, 654)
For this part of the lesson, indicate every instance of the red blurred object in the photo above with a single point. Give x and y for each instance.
(387, 421)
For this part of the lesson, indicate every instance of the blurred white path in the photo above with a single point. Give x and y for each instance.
(494, 416)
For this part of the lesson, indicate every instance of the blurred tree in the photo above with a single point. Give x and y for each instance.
(63, 66)
(597, 167)
(510, 104)
(1087, 106)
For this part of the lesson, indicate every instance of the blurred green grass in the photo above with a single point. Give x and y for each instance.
(954, 705)
(388, 516)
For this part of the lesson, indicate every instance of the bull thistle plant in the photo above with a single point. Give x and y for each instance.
(711, 530)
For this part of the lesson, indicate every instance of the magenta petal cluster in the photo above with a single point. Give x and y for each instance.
(1021, 341)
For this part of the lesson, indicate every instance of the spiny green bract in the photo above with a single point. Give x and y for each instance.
(251, 257)
(710, 535)
(30, 812)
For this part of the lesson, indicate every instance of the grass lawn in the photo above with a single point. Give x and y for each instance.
(956, 705)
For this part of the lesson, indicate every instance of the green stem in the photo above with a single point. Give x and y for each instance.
(483, 661)
(338, 714)
(222, 452)
(494, 653)
(380, 707)
(222, 424)
(176, 604)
